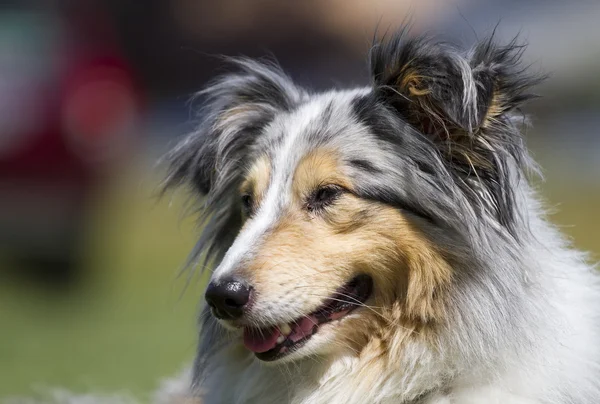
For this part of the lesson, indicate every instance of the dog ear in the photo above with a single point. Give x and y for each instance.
(441, 90)
(238, 106)
(465, 103)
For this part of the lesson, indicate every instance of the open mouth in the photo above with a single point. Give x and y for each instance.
(272, 343)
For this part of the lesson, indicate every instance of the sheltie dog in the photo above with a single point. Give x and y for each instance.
(383, 244)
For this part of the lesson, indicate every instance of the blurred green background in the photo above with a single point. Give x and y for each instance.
(131, 323)
(92, 92)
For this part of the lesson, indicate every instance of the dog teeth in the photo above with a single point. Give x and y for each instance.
(285, 329)
(280, 339)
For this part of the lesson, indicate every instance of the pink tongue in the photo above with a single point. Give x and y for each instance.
(260, 340)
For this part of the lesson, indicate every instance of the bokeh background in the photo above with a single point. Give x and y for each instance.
(92, 93)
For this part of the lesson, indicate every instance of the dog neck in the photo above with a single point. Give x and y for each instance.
(394, 367)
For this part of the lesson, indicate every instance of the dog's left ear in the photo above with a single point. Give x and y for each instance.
(464, 102)
(442, 90)
(213, 158)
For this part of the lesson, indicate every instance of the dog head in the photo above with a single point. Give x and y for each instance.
(334, 218)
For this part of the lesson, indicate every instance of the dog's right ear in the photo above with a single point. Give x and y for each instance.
(212, 159)
(465, 104)
(237, 107)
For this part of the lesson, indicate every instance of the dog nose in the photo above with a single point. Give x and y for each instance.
(227, 298)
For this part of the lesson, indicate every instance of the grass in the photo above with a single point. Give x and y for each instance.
(133, 325)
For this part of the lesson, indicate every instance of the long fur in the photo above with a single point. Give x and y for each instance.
(437, 136)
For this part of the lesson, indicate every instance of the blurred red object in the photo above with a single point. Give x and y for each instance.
(69, 110)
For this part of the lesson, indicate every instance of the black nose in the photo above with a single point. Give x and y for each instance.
(227, 298)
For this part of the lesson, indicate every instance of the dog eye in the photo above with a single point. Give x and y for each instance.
(247, 204)
(323, 197)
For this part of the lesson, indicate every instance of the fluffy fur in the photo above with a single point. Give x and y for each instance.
(476, 299)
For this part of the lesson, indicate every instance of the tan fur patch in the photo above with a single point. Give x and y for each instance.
(495, 109)
(316, 169)
(257, 179)
(411, 81)
(234, 112)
